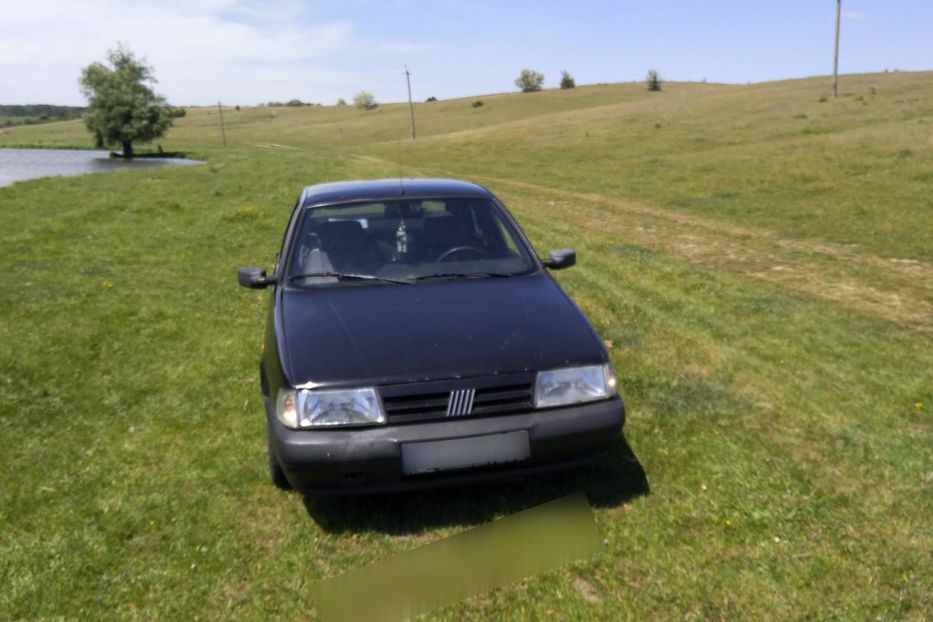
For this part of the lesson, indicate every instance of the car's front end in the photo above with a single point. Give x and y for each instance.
(410, 435)
(415, 340)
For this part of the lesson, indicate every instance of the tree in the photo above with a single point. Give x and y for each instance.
(121, 108)
(364, 100)
(653, 80)
(341, 101)
(566, 80)
(529, 81)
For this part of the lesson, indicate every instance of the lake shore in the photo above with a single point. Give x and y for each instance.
(25, 163)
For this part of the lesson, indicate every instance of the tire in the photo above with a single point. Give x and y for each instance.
(275, 470)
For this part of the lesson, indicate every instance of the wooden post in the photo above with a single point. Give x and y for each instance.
(223, 131)
(836, 55)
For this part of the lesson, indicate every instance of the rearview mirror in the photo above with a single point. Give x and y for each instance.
(253, 278)
(560, 258)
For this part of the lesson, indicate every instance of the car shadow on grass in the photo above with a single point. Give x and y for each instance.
(609, 483)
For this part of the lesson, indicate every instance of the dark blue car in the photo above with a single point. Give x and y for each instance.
(415, 339)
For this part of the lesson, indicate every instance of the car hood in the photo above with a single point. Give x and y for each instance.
(383, 334)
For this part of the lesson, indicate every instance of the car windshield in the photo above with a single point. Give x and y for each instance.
(402, 241)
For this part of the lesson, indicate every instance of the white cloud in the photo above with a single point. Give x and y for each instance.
(239, 50)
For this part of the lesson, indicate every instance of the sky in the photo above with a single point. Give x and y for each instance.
(253, 51)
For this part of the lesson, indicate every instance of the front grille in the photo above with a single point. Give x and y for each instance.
(504, 399)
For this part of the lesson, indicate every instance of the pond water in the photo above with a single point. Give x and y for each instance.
(20, 164)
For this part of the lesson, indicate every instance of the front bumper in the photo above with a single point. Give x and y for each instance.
(352, 461)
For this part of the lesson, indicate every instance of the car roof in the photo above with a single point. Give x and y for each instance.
(395, 187)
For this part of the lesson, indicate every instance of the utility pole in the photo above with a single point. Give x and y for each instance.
(411, 107)
(836, 55)
(223, 132)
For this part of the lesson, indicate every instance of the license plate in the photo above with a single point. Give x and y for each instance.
(459, 453)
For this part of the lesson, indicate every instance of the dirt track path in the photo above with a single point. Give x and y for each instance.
(896, 290)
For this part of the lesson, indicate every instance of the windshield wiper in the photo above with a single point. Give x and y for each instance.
(350, 276)
(464, 275)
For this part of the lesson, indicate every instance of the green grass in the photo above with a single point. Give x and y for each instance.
(764, 280)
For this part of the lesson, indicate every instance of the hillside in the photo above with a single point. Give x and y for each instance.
(770, 153)
(758, 262)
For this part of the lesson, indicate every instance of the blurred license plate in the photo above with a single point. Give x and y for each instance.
(460, 453)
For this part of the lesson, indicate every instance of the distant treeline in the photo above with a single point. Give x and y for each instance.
(292, 103)
(26, 114)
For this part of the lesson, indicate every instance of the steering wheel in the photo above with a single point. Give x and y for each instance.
(480, 253)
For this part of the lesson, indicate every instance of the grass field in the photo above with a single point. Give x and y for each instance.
(760, 262)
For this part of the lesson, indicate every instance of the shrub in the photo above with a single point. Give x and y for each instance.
(529, 80)
(431, 99)
(365, 101)
(341, 101)
(653, 80)
(566, 80)
(477, 104)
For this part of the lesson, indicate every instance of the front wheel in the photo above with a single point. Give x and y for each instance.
(275, 469)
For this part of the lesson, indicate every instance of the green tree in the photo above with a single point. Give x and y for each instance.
(529, 81)
(566, 80)
(653, 80)
(122, 109)
(365, 101)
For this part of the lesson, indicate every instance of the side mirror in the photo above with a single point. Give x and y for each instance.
(560, 258)
(253, 278)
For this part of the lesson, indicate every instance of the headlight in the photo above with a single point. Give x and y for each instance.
(574, 385)
(286, 408)
(326, 408)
